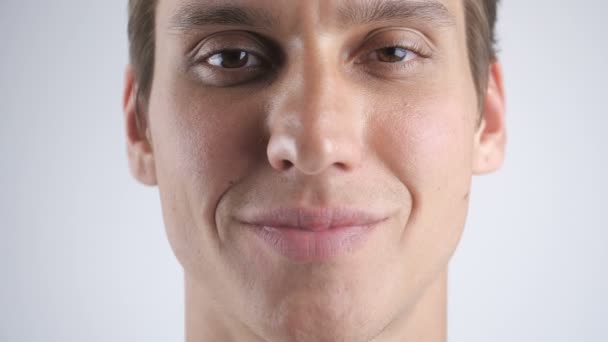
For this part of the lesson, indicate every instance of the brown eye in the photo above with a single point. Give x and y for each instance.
(233, 59)
(394, 54)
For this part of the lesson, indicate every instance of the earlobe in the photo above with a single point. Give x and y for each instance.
(139, 148)
(490, 139)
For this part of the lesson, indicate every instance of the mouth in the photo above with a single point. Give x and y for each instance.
(309, 235)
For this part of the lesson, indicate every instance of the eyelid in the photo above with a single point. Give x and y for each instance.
(205, 58)
(400, 37)
(411, 48)
(232, 40)
(265, 52)
(402, 30)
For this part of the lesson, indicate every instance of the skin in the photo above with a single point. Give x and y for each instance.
(333, 123)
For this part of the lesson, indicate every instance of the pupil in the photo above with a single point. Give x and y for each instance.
(234, 58)
(393, 54)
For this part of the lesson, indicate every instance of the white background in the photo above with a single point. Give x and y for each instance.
(83, 253)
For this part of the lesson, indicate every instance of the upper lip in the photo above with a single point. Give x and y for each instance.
(313, 219)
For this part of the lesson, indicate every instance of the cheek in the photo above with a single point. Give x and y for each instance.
(428, 147)
(203, 141)
(203, 145)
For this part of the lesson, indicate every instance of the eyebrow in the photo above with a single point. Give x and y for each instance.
(369, 11)
(351, 13)
(199, 15)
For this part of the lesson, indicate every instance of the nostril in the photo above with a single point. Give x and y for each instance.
(286, 164)
(281, 152)
(342, 166)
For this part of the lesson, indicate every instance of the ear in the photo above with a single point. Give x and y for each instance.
(491, 137)
(139, 148)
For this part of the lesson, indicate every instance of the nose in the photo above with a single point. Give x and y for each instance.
(315, 122)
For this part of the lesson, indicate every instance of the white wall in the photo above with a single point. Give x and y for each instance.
(83, 255)
(533, 263)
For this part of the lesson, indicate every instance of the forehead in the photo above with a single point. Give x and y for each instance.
(280, 15)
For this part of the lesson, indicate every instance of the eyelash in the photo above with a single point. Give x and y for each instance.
(219, 76)
(210, 55)
(265, 61)
(262, 62)
(420, 54)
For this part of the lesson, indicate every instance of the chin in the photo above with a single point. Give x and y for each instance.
(331, 317)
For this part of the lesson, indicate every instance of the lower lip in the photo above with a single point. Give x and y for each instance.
(306, 246)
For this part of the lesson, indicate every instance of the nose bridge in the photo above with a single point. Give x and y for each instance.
(314, 100)
(314, 123)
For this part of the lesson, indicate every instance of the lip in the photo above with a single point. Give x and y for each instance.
(306, 235)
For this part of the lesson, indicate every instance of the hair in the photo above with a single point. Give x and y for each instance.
(480, 18)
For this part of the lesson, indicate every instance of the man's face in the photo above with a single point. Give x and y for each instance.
(313, 158)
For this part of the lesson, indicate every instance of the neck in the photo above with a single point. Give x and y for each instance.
(425, 321)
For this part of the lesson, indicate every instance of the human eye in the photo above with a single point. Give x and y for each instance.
(393, 53)
(231, 60)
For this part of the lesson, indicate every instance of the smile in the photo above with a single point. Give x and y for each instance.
(308, 235)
